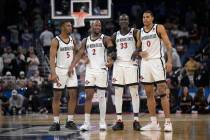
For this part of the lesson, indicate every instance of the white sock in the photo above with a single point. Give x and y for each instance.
(167, 120)
(153, 119)
(70, 118)
(118, 101)
(87, 118)
(135, 100)
(102, 104)
(56, 119)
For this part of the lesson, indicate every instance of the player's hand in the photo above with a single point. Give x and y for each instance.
(109, 62)
(53, 77)
(143, 54)
(134, 55)
(86, 60)
(71, 71)
(168, 67)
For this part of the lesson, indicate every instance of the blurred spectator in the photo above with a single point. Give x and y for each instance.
(200, 101)
(14, 36)
(201, 76)
(45, 38)
(36, 77)
(185, 101)
(18, 64)
(176, 62)
(76, 36)
(33, 63)
(3, 42)
(26, 39)
(16, 103)
(37, 25)
(9, 80)
(185, 81)
(21, 80)
(7, 56)
(1, 64)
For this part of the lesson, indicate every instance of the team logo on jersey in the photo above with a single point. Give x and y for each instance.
(86, 82)
(114, 80)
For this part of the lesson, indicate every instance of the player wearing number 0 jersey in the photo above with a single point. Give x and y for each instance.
(153, 68)
(125, 70)
(95, 46)
(61, 55)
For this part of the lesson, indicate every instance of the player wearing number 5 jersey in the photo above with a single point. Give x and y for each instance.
(125, 70)
(61, 55)
(95, 46)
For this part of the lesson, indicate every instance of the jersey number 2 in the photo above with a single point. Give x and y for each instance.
(94, 51)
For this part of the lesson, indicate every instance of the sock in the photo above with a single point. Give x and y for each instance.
(153, 119)
(102, 104)
(167, 120)
(135, 101)
(87, 118)
(56, 119)
(70, 118)
(118, 102)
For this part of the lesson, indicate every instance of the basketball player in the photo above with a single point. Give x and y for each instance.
(61, 55)
(96, 45)
(125, 70)
(153, 68)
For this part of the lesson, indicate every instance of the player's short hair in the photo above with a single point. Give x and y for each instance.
(62, 22)
(124, 15)
(150, 12)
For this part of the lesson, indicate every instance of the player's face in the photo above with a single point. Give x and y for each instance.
(123, 21)
(96, 27)
(67, 27)
(147, 19)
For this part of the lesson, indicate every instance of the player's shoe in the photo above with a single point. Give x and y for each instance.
(168, 127)
(85, 127)
(136, 126)
(118, 126)
(151, 127)
(55, 127)
(102, 126)
(71, 125)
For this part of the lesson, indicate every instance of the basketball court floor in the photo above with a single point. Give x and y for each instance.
(35, 127)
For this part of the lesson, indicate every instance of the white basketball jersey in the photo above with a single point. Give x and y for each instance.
(96, 52)
(151, 43)
(125, 45)
(65, 53)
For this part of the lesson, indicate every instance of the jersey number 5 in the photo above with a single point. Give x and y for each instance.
(124, 45)
(67, 54)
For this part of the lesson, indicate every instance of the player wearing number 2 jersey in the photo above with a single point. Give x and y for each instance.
(96, 46)
(125, 70)
(61, 55)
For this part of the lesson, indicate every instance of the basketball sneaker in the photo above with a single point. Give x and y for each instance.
(151, 127)
(168, 127)
(136, 126)
(71, 125)
(102, 126)
(118, 126)
(55, 127)
(85, 126)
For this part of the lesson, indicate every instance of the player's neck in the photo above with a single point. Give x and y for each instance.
(95, 35)
(124, 30)
(148, 27)
(64, 35)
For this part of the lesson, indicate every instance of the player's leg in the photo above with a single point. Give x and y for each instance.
(101, 84)
(165, 105)
(57, 91)
(89, 91)
(148, 82)
(132, 81)
(118, 83)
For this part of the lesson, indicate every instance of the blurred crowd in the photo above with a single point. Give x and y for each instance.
(24, 88)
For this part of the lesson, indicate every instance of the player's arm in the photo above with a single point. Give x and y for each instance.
(163, 35)
(136, 34)
(111, 50)
(53, 51)
(77, 56)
